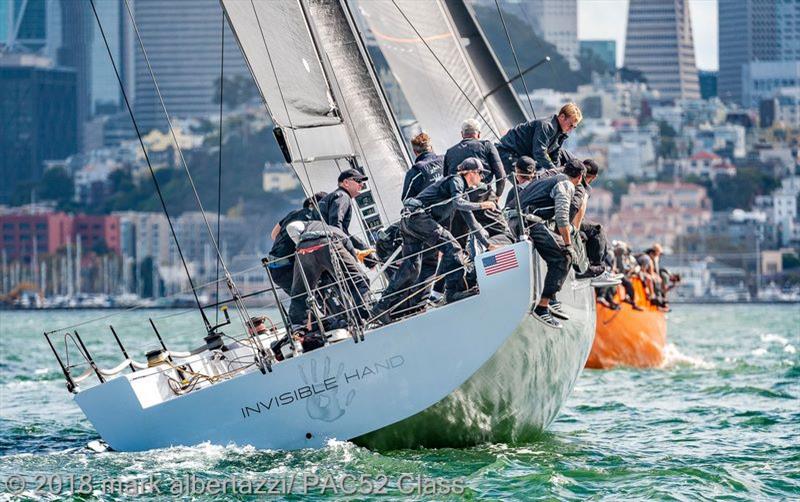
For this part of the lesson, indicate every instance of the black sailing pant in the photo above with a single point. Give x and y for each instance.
(550, 247)
(316, 263)
(596, 242)
(421, 232)
(283, 276)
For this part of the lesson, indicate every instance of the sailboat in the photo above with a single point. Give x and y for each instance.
(629, 337)
(476, 370)
(447, 71)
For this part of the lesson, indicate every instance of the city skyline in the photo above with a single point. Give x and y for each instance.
(607, 20)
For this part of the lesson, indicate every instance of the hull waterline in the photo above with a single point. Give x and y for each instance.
(515, 395)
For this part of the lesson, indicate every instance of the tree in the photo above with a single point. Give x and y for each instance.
(56, 184)
(740, 191)
(667, 147)
(236, 90)
(630, 75)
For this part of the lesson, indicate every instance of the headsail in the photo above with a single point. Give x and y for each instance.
(322, 95)
(441, 98)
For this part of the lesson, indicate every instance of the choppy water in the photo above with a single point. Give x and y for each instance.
(720, 420)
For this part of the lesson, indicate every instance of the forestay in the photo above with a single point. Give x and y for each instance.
(443, 65)
(311, 71)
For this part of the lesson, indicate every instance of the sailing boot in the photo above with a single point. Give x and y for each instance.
(542, 314)
(557, 310)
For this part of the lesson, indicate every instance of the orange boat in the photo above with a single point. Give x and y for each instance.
(627, 337)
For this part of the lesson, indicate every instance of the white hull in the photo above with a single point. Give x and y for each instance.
(515, 395)
(341, 391)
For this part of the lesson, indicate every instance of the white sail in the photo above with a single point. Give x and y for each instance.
(444, 66)
(322, 94)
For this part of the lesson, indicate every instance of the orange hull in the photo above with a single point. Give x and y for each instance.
(627, 337)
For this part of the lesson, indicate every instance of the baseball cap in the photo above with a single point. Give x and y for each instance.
(351, 173)
(525, 165)
(471, 164)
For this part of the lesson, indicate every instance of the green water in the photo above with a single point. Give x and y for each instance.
(721, 420)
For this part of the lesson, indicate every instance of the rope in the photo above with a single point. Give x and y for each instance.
(147, 157)
(245, 318)
(219, 166)
(516, 61)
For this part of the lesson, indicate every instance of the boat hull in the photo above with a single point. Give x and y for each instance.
(515, 395)
(627, 337)
(341, 391)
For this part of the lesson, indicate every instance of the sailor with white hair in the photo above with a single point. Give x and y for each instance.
(494, 180)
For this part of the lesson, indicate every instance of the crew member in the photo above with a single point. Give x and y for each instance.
(318, 245)
(592, 233)
(472, 146)
(524, 169)
(550, 199)
(336, 208)
(281, 257)
(541, 139)
(424, 232)
(427, 168)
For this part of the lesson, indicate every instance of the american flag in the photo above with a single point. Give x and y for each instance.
(500, 262)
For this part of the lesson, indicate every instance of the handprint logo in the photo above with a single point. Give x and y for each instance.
(325, 406)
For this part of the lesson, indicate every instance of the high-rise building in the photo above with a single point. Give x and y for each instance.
(37, 108)
(755, 32)
(75, 52)
(659, 43)
(606, 50)
(183, 44)
(708, 84)
(555, 21)
(117, 27)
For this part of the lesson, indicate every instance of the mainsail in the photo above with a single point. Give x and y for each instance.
(444, 66)
(323, 96)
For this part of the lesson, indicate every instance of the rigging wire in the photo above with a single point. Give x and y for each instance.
(516, 60)
(297, 143)
(219, 165)
(245, 318)
(149, 164)
(447, 72)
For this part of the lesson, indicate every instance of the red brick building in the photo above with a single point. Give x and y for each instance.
(52, 231)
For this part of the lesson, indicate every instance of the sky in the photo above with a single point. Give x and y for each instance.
(607, 19)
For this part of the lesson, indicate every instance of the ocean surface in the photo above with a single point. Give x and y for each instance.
(720, 420)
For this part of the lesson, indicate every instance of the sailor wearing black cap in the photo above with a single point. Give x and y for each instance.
(336, 208)
(550, 200)
(424, 231)
(524, 169)
(281, 257)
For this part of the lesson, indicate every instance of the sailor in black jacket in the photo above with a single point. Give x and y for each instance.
(471, 146)
(336, 208)
(550, 199)
(424, 232)
(281, 256)
(541, 139)
(427, 168)
(318, 245)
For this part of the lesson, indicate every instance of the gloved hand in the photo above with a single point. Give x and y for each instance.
(569, 250)
(368, 258)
